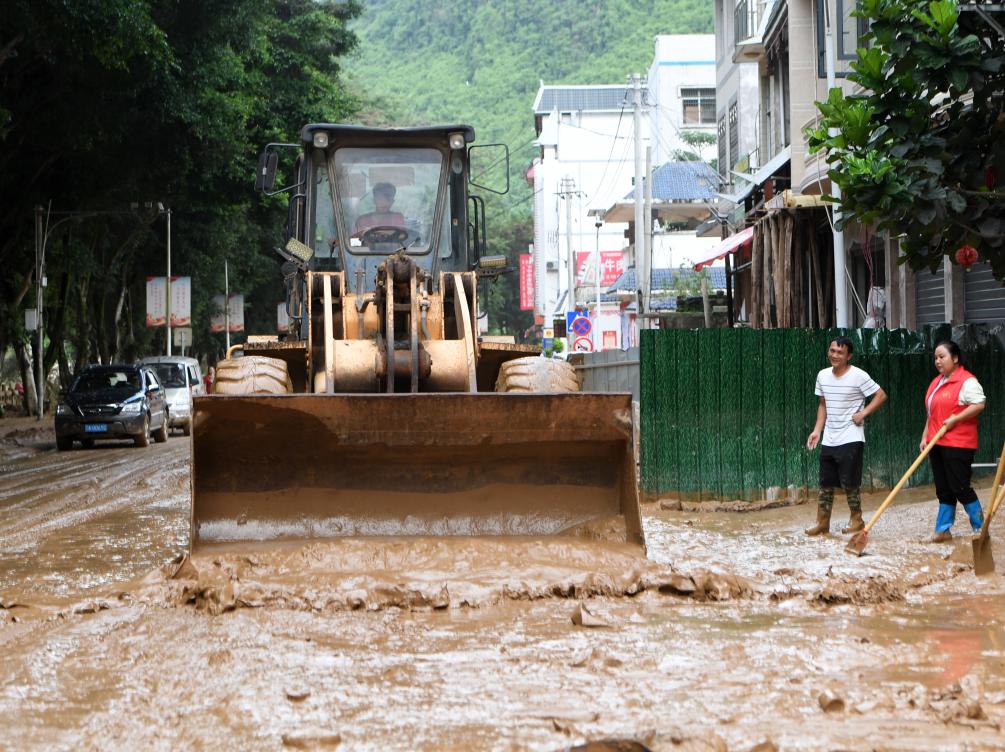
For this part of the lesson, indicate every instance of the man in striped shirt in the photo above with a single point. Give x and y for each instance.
(842, 390)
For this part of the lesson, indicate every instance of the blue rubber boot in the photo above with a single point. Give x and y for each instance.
(976, 514)
(944, 521)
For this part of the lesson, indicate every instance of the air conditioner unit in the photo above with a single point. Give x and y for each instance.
(552, 266)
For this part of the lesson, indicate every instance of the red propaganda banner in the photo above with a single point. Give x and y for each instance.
(526, 282)
(612, 264)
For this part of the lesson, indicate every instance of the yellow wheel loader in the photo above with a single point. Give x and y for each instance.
(381, 412)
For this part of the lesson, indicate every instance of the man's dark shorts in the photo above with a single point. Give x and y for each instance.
(841, 465)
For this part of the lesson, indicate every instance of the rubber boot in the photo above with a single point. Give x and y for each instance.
(943, 522)
(976, 515)
(823, 525)
(855, 523)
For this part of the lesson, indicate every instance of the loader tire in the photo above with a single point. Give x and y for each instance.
(537, 375)
(252, 374)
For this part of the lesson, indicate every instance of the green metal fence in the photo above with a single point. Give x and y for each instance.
(725, 412)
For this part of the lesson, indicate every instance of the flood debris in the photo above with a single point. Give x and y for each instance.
(583, 617)
(312, 740)
(595, 658)
(830, 702)
(297, 694)
(609, 745)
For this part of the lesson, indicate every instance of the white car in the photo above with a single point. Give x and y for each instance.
(182, 380)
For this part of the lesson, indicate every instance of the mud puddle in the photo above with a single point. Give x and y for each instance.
(736, 630)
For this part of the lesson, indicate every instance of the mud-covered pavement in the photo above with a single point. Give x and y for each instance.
(737, 631)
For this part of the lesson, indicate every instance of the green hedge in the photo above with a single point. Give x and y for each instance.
(725, 412)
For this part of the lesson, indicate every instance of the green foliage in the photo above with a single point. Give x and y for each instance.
(109, 102)
(921, 152)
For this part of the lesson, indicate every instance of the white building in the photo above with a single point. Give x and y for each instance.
(682, 88)
(586, 165)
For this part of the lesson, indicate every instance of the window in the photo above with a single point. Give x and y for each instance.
(723, 145)
(699, 106)
(734, 132)
(848, 29)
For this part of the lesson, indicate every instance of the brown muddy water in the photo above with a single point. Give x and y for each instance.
(737, 631)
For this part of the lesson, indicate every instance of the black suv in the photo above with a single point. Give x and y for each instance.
(112, 402)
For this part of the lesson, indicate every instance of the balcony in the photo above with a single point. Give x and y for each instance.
(747, 43)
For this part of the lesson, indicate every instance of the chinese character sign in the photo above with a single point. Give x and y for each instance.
(156, 301)
(235, 311)
(526, 282)
(612, 265)
(181, 301)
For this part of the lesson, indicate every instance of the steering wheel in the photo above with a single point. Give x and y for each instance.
(388, 234)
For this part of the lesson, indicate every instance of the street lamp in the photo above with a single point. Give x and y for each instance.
(167, 310)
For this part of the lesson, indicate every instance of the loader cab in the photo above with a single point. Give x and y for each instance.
(370, 192)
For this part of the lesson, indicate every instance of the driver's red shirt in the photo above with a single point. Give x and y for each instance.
(378, 219)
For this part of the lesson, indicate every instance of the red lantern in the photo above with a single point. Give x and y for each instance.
(966, 256)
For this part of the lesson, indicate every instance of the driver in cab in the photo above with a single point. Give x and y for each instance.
(383, 197)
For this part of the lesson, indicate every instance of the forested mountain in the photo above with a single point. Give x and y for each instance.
(481, 62)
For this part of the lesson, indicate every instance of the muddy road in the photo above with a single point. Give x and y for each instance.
(737, 631)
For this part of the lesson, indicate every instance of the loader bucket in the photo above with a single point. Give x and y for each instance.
(295, 467)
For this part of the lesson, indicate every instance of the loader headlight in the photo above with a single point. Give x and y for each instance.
(320, 140)
(132, 408)
(456, 140)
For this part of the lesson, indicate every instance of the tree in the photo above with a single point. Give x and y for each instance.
(698, 141)
(105, 103)
(921, 151)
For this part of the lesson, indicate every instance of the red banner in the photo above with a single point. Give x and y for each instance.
(526, 282)
(612, 264)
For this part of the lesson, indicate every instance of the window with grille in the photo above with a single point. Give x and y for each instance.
(734, 132)
(699, 106)
(723, 155)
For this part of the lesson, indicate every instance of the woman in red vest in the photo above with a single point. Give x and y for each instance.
(955, 399)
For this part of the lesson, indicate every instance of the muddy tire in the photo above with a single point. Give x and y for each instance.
(187, 429)
(143, 439)
(252, 374)
(537, 375)
(64, 444)
(161, 434)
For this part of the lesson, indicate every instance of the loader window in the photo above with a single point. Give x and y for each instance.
(388, 198)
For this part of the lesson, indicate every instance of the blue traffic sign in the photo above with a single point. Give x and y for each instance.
(581, 326)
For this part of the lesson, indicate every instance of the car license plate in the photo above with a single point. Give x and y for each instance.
(95, 427)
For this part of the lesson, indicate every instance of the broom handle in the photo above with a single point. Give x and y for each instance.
(907, 475)
(992, 510)
(998, 475)
(995, 496)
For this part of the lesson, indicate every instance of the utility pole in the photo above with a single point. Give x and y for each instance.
(597, 338)
(640, 234)
(568, 192)
(647, 280)
(39, 289)
(840, 281)
(226, 303)
(167, 321)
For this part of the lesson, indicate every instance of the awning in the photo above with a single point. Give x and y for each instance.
(758, 178)
(730, 245)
